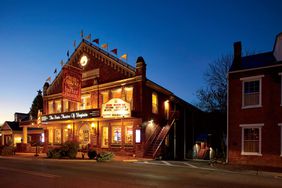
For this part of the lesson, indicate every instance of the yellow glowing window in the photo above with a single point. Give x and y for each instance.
(129, 135)
(116, 135)
(66, 105)
(166, 109)
(66, 135)
(50, 133)
(116, 93)
(85, 102)
(50, 107)
(129, 95)
(58, 106)
(154, 103)
(57, 136)
(105, 96)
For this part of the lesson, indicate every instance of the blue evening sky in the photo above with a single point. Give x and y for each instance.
(178, 39)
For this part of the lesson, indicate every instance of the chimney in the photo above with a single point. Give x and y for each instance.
(141, 67)
(237, 53)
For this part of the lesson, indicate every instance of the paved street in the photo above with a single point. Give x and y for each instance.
(62, 173)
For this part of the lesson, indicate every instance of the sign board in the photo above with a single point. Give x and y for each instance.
(116, 108)
(71, 85)
(82, 114)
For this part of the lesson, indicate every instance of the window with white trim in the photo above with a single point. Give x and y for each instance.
(251, 91)
(251, 139)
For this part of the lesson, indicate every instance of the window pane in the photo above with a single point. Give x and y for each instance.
(57, 135)
(50, 107)
(116, 135)
(138, 136)
(58, 106)
(251, 140)
(154, 103)
(116, 93)
(129, 135)
(251, 93)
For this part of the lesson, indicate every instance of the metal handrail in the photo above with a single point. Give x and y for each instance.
(168, 128)
(152, 137)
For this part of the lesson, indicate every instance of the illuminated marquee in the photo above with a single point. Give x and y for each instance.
(116, 108)
(72, 115)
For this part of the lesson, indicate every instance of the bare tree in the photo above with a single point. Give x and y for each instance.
(214, 96)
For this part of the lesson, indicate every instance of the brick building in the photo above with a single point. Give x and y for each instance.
(255, 108)
(103, 102)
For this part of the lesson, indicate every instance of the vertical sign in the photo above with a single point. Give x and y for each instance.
(71, 87)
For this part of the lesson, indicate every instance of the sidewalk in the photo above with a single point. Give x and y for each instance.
(31, 156)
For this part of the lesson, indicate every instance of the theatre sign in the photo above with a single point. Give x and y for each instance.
(92, 113)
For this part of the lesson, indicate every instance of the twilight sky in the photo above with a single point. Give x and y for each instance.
(178, 39)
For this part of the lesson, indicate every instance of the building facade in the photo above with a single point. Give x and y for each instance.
(255, 108)
(104, 103)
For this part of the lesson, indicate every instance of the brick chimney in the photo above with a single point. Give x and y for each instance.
(141, 67)
(237, 53)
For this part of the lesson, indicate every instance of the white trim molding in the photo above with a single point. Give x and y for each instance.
(280, 124)
(247, 126)
(248, 79)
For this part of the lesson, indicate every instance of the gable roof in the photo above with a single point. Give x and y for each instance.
(98, 59)
(13, 125)
(255, 61)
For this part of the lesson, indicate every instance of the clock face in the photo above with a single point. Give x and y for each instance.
(83, 60)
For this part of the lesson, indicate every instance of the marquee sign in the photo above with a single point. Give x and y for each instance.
(116, 108)
(72, 115)
(71, 86)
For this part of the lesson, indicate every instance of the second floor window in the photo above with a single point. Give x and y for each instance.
(154, 103)
(251, 93)
(58, 106)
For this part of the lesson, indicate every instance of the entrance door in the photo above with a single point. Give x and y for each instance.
(105, 137)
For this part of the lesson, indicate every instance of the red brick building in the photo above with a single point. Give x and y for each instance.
(255, 108)
(103, 102)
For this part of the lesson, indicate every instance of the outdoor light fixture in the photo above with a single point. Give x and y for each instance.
(83, 60)
(69, 126)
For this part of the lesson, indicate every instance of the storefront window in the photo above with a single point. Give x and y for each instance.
(57, 136)
(50, 133)
(116, 135)
(66, 135)
(66, 105)
(50, 107)
(129, 135)
(116, 93)
(105, 137)
(58, 106)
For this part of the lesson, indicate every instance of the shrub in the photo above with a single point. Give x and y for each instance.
(105, 156)
(91, 153)
(54, 153)
(8, 150)
(69, 149)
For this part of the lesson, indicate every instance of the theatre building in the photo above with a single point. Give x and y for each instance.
(104, 103)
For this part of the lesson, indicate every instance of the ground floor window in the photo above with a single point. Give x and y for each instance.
(57, 136)
(66, 135)
(116, 135)
(251, 139)
(105, 137)
(129, 135)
